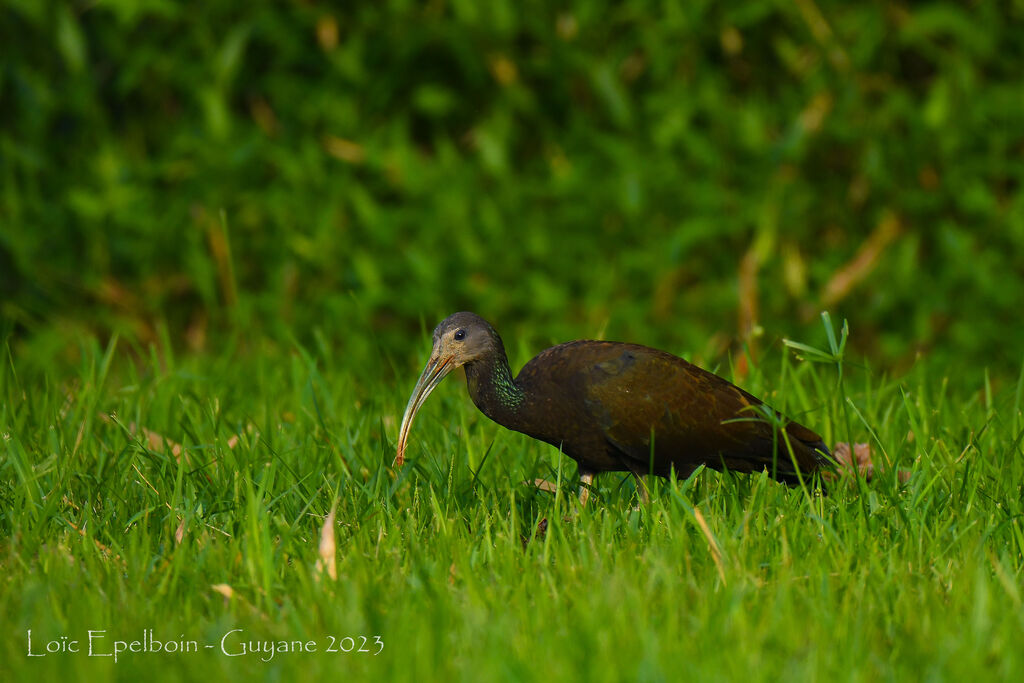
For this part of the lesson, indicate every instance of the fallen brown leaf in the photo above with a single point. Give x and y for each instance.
(155, 441)
(857, 461)
(542, 484)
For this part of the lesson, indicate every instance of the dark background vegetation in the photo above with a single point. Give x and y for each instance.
(683, 174)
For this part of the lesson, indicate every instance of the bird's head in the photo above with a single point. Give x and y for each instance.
(459, 339)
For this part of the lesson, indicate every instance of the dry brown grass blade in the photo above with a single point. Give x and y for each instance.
(327, 549)
(863, 262)
(327, 32)
(345, 150)
(822, 33)
(716, 551)
(224, 589)
(220, 250)
(99, 546)
(748, 308)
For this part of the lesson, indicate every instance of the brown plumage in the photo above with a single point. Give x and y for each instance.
(612, 406)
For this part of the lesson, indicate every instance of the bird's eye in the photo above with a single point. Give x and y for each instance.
(460, 335)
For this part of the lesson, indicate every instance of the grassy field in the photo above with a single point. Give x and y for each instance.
(186, 498)
(226, 231)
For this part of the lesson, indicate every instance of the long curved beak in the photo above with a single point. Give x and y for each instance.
(435, 370)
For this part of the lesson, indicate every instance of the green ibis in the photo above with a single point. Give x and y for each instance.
(613, 406)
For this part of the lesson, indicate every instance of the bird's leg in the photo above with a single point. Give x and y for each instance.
(586, 480)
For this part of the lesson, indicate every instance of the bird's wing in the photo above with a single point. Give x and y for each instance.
(637, 394)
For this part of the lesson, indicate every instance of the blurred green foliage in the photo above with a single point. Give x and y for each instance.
(671, 173)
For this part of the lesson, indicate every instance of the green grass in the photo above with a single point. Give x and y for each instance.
(875, 581)
(286, 193)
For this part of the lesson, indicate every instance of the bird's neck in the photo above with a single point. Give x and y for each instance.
(494, 390)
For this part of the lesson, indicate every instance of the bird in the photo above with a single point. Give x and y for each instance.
(617, 407)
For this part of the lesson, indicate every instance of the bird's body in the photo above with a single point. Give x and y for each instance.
(613, 406)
